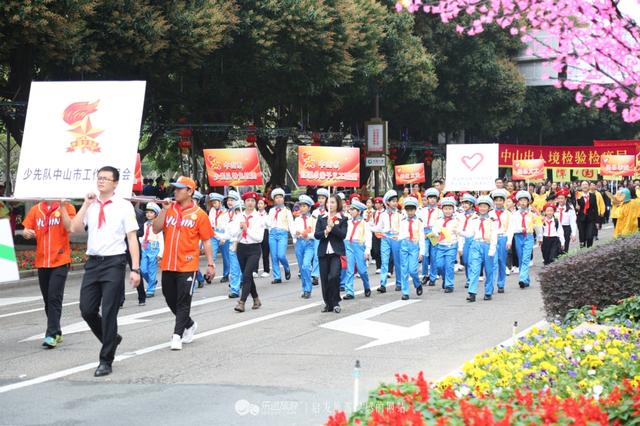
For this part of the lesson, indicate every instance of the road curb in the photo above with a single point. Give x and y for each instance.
(30, 277)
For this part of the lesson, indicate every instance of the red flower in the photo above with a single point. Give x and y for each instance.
(338, 419)
(594, 310)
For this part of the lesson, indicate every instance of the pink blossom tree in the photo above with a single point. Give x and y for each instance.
(591, 44)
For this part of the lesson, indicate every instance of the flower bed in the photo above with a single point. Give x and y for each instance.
(27, 258)
(560, 375)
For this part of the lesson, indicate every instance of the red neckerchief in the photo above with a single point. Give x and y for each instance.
(246, 221)
(48, 211)
(355, 227)
(101, 218)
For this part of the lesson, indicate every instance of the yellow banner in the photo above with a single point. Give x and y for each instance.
(561, 175)
(586, 174)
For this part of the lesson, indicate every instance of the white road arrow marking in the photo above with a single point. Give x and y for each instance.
(384, 333)
(79, 327)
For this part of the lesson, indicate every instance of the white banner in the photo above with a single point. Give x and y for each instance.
(376, 135)
(8, 265)
(471, 167)
(75, 128)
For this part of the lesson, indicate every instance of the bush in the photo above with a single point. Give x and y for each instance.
(626, 312)
(600, 276)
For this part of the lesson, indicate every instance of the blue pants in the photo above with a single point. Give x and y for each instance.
(149, 265)
(524, 248)
(500, 261)
(479, 257)
(429, 261)
(409, 267)
(304, 255)
(389, 247)
(235, 278)
(316, 266)
(355, 257)
(445, 261)
(466, 249)
(278, 239)
(224, 251)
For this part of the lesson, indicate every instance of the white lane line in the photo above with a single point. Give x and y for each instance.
(128, 355)
(28, 311)
(6, 301)
(123, 320)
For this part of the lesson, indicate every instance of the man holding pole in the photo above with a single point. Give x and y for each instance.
(109, 219)
(49, 223)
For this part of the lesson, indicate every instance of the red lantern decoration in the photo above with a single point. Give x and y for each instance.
(315, 139)
(428, 156)
(393, 154)
(185, 140)
(251, 134)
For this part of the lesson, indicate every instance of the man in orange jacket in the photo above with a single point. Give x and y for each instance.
(49, 224)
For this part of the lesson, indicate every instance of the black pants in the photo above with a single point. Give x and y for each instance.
(330, 279)
(264, 246)
(375, 251)
(586, 231)
(248, 258)
(567, 238)
(177, 288)
(551, 249)
(102, 284)
(52, 281)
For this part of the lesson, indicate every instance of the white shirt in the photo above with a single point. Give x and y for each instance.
(417, 232)
(362, 234)
(502, 220)
(219, 219)
(549, 229)
(487, 233)
(152, 237)
(465, 222)
(108, 240)
(567, 218)
(284, 220)
(429, 219)
(532, 223)
(255, 231)
(299, 226)
(390, 221)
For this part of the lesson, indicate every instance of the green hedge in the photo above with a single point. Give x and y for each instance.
(599, 276)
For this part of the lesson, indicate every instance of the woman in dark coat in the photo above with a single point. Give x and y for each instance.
(331, 230)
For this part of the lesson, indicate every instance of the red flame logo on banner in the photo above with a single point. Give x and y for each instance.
(77, 117)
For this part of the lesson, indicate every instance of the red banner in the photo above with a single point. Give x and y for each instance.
(617, 165)
(137, 181)
(528, 170)
(328, 166)
(574, 157)
(233, 167)
(409, 173)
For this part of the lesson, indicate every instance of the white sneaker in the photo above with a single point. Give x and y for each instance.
(531, 263)
(389, 275)
(457, 268)
(377, 271)
(508, 271)
(481, 279)
(176, 343)
(187, 336)
(515, 270)
(357, 275)
(265, 275)
(255, 275)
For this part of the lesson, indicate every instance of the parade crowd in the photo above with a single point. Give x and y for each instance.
(425, 236)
